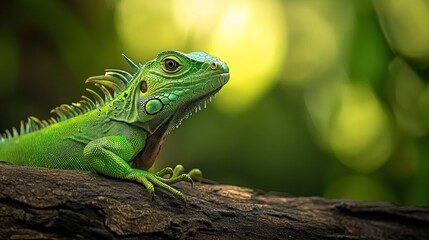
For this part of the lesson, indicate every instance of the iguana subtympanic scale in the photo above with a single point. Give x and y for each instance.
(120, 135)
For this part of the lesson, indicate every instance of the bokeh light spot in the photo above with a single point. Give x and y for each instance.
(360, 133)
(315, 45)
(140, 34)
(352, 124)
(405, 25)
(251, 38)
(407, 94)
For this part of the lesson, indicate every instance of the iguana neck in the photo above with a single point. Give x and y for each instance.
(145, 159)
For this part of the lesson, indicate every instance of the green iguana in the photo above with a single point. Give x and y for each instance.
(121, 135)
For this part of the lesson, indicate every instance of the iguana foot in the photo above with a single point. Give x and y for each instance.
(150, 180)
(193, 174)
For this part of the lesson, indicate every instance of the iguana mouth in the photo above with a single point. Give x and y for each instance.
(195, 105)
(192, 107)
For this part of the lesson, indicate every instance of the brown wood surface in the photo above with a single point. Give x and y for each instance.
(37, 203)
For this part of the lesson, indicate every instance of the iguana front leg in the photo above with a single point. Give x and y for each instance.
(110, 156)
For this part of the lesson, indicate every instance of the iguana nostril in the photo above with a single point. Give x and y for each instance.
(213, 66)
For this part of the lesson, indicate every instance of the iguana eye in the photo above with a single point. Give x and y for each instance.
(171, 65)
(143, 87)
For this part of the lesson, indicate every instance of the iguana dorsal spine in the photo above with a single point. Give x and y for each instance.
(113, 82)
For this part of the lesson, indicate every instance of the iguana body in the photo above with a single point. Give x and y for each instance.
(120, 135)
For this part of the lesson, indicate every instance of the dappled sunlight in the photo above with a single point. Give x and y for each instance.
(197, 19)
(405, 24)
(252, 39)
(316, 46)
(148, 27)
(407, 88)
(328, 60)
(352, 124)
(249, 35)
(360, 129)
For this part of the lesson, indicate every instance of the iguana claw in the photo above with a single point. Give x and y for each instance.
(149, 180)
(164, 171)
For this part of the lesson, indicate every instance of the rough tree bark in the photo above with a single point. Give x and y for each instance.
(42, 203)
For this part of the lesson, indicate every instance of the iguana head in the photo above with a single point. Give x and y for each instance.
(168, 88)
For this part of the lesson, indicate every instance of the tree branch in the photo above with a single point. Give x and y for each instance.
(44, 203)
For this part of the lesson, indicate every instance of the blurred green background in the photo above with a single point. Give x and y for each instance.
(326, 98)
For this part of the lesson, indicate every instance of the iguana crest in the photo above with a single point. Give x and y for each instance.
(111, 84)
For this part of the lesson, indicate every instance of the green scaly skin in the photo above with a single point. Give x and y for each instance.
(121, 135)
